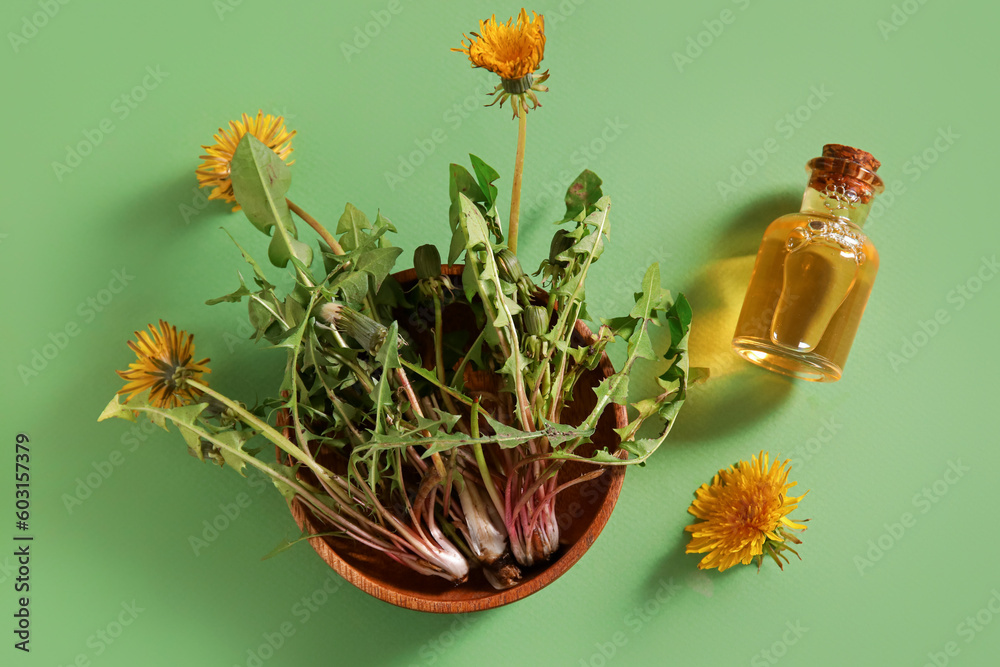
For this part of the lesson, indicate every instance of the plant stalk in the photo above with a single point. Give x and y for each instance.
(415, 406)
(484, 469)
(264, 429)
(515, 193)
(320, 229)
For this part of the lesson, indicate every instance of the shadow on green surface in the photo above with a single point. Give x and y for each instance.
(681, 569)
(746, 228)
(676, 565)
(186, 202)
(417, 637)
(736, 393)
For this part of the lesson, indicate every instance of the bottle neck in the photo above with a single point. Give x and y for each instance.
(837, 203)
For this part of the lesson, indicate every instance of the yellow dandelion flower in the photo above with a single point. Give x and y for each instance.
(510, 50)
(514, 51)
(215, 170)
(164, 363)
(744, 513)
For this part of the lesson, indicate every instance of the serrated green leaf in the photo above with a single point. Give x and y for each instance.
(293, 311)
(354, 287)
(600, 456)
(508, 366)
(425, 373)
(640, 344)
(378, 263)
(621, 326)
(557, 434)
(357, 235)
(439, 440)
(505, 431)
(444, 442)
(485, 175)
(501, 320)
(383, 223)
(388, 354)
(650, 292)
(312, 356)
(641, 448)
(283, 487)
(381, 393)
(185, 414)
(286, 544)
(593, 241)
(472, 221)
(447, 419)
(460, 181)
(297, 327)
(117, 409)
(615, 388)
(582, 195)
(233, 297)
(282, 248)
(624, 431)
(470, 284)
(236, 440)
(194, 443)
(457, 246)
(352, 221)
(260, 181)
(263, 309)
(683, 310)
(258, 272)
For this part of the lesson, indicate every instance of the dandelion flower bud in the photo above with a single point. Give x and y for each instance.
(536, 321)
(561, 242)
(510, 266)
(427, 262)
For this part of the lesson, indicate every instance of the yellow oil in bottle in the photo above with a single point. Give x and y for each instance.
(813, 275)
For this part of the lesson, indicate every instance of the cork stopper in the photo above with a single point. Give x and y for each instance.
(848, 170)
(863, 158)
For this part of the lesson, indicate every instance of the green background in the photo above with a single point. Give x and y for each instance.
(866, 592)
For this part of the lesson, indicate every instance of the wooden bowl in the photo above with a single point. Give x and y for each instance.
(582, 512)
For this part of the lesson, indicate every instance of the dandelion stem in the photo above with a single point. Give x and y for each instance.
(484, 469)
(320, 229)
(415, 406)
(439, 354)
(438, 342)
(265, 430)
(515, 194)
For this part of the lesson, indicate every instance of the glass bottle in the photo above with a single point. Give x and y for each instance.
(814, 272)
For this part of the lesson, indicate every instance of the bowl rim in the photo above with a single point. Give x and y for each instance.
(409, 600)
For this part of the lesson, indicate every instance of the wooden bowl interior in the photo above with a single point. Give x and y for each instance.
(582, 510)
